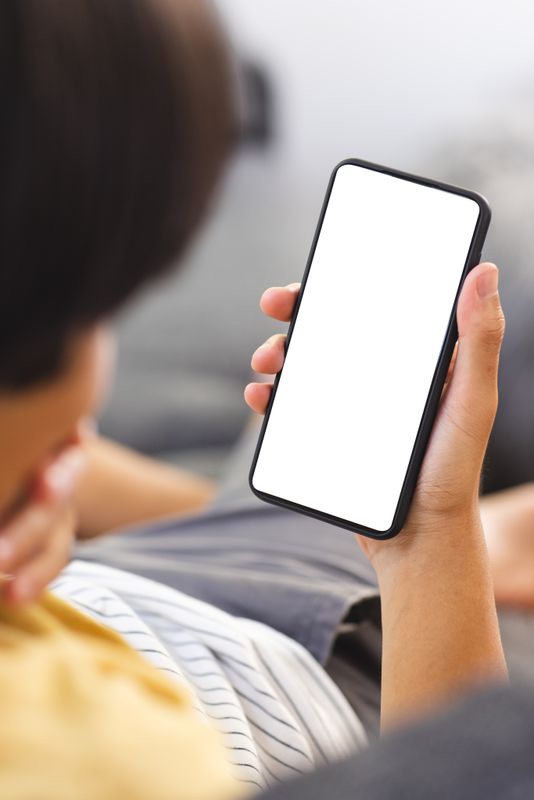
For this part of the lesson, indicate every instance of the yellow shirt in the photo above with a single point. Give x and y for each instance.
(83, 716)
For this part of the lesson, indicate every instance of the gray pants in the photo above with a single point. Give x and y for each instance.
(301, 576)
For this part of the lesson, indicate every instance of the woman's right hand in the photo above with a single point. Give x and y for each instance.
(448, 485)
(439, 623)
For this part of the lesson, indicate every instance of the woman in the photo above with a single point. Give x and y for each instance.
(119, 120)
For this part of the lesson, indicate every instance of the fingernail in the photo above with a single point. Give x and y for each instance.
(293, 287)
(488, 283)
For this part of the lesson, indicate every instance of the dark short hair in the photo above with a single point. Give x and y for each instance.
(115, 122)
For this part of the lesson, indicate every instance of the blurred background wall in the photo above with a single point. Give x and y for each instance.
(387, 78)
(442, 87)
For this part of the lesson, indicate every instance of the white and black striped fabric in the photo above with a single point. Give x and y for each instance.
(278, 711)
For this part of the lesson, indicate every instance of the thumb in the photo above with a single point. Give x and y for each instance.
(473, 393)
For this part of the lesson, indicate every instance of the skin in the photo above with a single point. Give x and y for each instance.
(59, 481)
(507, 516)
(121, 488)
(42, 452)
(42, 456)
(435, 580)
(447, 624)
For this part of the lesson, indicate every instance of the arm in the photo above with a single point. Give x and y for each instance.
(439, 622)
(440, 631)
(91, 487)
(121, 487)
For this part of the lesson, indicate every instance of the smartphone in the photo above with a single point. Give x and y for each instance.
(368, 347)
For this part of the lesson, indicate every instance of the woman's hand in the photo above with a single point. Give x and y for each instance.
(448, 484)
(439, 623)
(36, 540)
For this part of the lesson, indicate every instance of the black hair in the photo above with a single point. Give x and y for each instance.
(116, 117)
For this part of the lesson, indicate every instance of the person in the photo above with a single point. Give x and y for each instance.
(117, 118)
(108, 167)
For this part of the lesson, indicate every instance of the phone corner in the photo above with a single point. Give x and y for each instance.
(483, 206)
(252, 488)
(395, 528)
(390, 533)
(345, 162)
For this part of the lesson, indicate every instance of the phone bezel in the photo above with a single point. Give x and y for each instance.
(440, 374)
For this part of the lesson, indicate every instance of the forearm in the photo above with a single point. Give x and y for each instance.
(121, 487)
(440, 628)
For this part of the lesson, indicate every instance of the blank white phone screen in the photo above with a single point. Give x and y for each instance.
(365, 345)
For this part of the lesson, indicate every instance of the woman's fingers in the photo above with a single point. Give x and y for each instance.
(35, 524)
(257, 396)
(44, 565)
(278, 302)
(56, 481)
(33, 529)
(24, 535)
(269, 357)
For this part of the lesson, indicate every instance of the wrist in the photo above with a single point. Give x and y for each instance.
(431, 543)
(439, 621)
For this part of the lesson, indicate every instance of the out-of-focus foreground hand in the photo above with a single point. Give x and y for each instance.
(508, 520)
(36, 540)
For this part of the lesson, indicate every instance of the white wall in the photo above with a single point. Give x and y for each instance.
(384, 80)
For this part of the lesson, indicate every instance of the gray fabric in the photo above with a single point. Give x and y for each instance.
(263, 563)
(298, 575)
(480, 750)
(517, 627)
(355, 666)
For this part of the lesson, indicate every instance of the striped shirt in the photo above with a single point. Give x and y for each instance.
(278, 711)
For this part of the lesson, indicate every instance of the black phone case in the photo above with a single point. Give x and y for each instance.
(440, 374)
